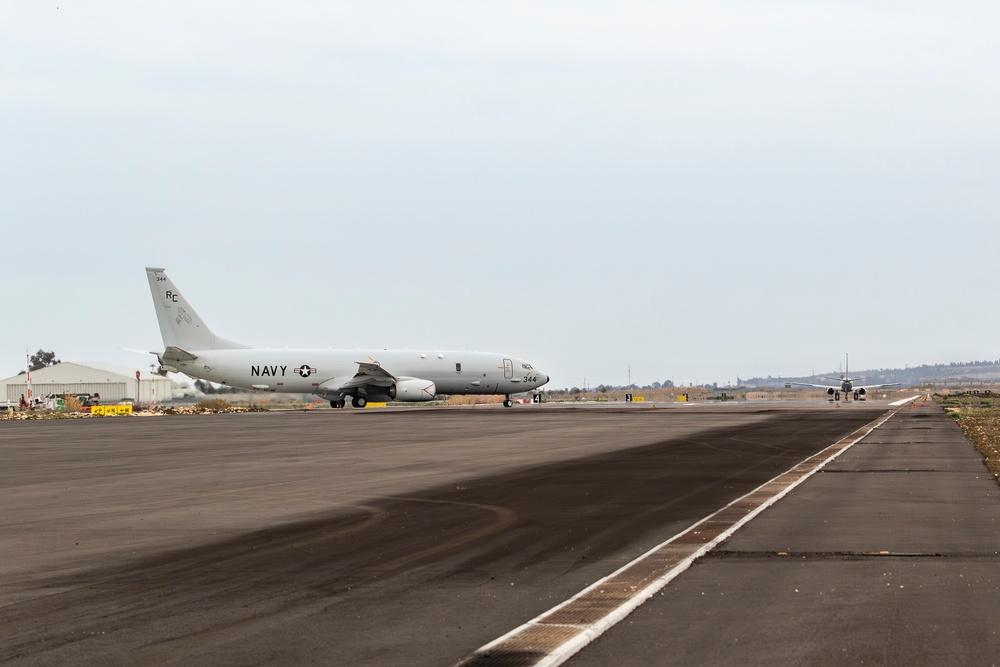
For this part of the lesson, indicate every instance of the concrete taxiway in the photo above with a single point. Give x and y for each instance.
(414, 537)
(887, 557)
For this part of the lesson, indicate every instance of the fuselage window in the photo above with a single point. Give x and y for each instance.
(458, 368)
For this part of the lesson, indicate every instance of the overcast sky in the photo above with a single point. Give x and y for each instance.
(695, 190)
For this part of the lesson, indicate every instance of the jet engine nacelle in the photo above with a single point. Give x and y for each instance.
(830, 391)
(861, 391)
(412, 390)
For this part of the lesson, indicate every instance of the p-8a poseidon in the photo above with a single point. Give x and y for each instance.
(363, 375)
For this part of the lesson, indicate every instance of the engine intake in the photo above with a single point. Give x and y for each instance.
(412, 390)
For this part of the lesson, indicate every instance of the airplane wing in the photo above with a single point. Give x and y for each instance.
(815, 386)
(836, 388)
(368, 374)
(877, 386)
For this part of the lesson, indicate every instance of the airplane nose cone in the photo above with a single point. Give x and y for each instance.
(542, 379)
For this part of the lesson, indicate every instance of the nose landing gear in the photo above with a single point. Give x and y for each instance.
(507, 402)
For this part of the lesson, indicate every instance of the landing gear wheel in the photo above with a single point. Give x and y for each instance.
(359, 401)
(508, 403)
(337, 404)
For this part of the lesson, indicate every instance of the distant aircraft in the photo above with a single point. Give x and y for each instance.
(847, 385)
(373, 375)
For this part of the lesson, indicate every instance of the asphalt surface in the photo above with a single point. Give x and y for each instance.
(887, 557)
(415, 537)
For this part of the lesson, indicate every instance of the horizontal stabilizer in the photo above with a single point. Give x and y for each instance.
(173, 354)
(137, 351)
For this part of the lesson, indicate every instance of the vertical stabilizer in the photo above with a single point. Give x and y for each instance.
(180, 325)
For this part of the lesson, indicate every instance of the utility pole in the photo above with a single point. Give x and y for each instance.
(28, 366)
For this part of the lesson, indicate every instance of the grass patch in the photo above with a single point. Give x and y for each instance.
(981, 425)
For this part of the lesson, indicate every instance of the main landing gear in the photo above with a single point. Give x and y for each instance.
(356, 401)
(507, 402)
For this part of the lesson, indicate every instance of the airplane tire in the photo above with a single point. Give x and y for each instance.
(359, 401)
(337, 404)
(507, 403)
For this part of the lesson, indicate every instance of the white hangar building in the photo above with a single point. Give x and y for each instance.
(113, 383)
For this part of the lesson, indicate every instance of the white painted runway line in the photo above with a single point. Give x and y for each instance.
(556, 635)
(903, 401)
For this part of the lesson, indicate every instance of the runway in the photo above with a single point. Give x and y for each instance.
(340, 537)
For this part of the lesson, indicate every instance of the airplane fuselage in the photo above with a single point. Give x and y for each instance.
(306, 371)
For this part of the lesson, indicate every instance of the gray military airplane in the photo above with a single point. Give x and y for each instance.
(846, 385)
(383, 375)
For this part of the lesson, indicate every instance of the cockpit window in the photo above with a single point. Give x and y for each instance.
(526, 367)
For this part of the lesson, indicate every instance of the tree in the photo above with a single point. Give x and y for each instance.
(41, 359)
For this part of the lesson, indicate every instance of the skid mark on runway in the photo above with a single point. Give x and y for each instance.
(556, 635)
(504, 518)
(268, 572)
(172, 584)
(301, 606)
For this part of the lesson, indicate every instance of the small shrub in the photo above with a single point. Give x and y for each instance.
(473, 399)
(214, 404)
